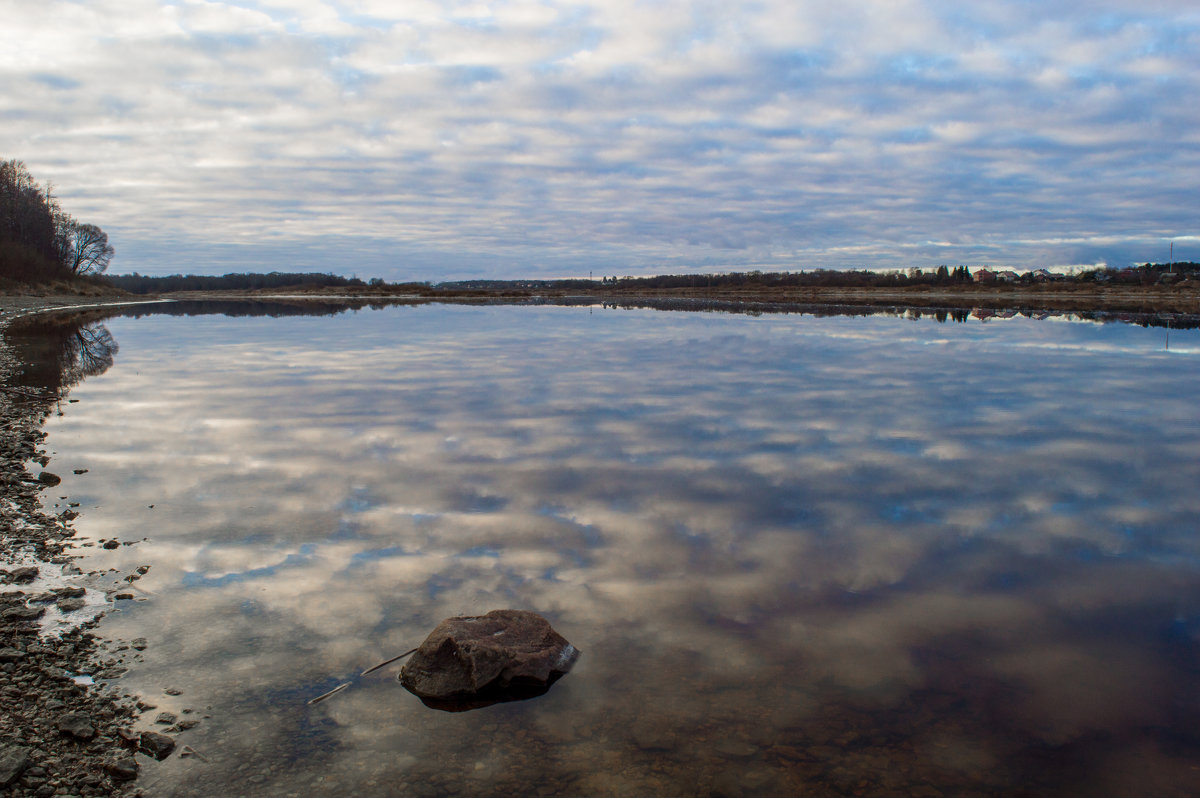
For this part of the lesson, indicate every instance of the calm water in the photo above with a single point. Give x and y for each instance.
(800, 555)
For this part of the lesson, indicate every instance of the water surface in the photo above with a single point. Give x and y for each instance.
(800, 554)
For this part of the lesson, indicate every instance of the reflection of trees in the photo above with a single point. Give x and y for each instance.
(58, 350)
(1175, 321)
(54, 352)
(94, 349)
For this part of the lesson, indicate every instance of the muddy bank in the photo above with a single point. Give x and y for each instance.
(64, 728)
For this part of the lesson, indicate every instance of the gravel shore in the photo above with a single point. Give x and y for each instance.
(63, 730)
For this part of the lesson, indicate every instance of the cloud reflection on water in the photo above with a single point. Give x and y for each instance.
(757, 529)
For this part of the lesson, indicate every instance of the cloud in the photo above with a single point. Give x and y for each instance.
(441, 140)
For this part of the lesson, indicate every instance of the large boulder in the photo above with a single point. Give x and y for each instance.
(474, 661)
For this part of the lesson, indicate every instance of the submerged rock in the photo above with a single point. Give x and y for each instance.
(156, 745)
(474, 661)
(123, 769)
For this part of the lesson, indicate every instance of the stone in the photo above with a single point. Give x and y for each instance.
(138, 643)
(123, 769)
(166, 718)
(11, 654)
(735, 749)
(48, 479)
(25, 574)
(13, 760)
(477, 660)
(23, 613)
(112, 544)
(71, 604)
(77, 725)
(69, 592)
(156, 745)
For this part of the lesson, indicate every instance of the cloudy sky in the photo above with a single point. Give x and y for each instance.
(414, 139)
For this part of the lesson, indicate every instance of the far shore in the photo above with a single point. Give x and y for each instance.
(1182, 298)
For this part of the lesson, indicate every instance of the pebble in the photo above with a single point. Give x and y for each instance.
(156, 745)
(71, 604)
(124, 769)
(77, 725)
(13, 761)
(11, 655)
(735, 749)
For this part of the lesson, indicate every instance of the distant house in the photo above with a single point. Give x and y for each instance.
(983, 275)
(1042, 275)
(1007, 276)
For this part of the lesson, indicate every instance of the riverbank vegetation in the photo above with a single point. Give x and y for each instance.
(40, 242)
(941, 277)
(274, 281)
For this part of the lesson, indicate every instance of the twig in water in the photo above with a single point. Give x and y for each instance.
(323, 696)
(387, 662)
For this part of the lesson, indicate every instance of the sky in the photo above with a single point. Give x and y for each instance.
(451, 140)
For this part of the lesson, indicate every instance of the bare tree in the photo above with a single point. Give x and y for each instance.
(86, 247)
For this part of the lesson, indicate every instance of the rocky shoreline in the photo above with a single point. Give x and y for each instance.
(63, 731)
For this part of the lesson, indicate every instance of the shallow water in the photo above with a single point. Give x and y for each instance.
(800, 555)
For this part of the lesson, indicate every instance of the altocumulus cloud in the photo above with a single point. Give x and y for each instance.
(437, 140)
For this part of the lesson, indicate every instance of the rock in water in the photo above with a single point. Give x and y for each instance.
(474, 661)
(156, 745)
(123, 769)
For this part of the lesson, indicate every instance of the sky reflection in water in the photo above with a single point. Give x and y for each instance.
(823, 554)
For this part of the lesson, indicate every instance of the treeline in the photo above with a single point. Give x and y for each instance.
(274, 281)
(1147, 274)
(942, 275)
(39, 241)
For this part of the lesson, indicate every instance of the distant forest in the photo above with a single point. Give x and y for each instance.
(39, 241)
(1147, 274)
(274, 281)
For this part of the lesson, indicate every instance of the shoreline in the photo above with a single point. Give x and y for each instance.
(61, 732)
(1183, 298)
